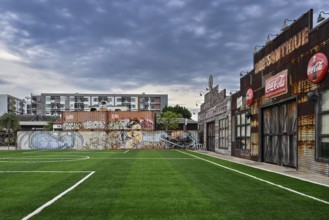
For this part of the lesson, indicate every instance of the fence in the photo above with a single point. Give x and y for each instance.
(101, 140)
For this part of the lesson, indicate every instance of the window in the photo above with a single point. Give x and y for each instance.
(102, 98)
(223, 133)
(323, 137)
(242, 132)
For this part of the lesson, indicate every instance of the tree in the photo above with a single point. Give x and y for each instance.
(184, 112)
(10, 123)
(169, 120)
(49, 126)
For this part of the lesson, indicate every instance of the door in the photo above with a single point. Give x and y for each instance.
(280, 134)
(211, 136)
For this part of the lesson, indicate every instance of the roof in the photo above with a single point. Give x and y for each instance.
(189, 121)
(34, 118)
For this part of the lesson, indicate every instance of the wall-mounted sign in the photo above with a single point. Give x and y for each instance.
(249, 97)
(283, 50)
(277, 85)
(317, 68)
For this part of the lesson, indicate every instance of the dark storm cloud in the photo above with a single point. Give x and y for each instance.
(157, 41)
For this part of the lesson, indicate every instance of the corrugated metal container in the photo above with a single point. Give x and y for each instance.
(84, 116)
(84, 120)
(143, 120)
(111, 120)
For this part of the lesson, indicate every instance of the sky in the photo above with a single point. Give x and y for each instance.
(135, 46)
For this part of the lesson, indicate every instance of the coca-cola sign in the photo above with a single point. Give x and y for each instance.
(277, 85)
(249, 97)
(317, 68)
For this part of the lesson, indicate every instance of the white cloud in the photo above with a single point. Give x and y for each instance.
(5, 55)
(176, 3)
(64, 12)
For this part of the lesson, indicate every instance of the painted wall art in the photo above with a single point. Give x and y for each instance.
(100, 140)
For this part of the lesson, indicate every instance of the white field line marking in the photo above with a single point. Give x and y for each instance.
(126, 151)
(38, 210)
(29, 159)
(268, 170)
(43, 171)
(143, 158)
(262, 180)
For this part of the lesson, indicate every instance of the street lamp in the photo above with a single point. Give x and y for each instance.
(268, 40)
(256, 50)
(285, 26)
(320, 18)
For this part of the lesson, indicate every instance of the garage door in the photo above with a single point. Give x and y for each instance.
(280, 134)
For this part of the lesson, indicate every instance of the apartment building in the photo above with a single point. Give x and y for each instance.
(11, 104)
(54, 103)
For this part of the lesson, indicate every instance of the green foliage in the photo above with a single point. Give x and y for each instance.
(168, 120)
(184, 112)
(49, 126)
(10, 123)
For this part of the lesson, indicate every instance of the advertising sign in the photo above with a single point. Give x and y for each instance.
(249, 97)
(277, 85)
(317, 68)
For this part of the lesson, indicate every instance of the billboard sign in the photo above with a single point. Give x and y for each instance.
(277, 85)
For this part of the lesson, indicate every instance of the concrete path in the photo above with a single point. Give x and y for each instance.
(7, 148)
(287, 171)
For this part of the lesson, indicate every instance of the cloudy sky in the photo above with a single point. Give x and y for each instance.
(134, 46)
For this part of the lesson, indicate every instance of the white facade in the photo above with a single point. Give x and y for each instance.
(11, 104)
(55, 103)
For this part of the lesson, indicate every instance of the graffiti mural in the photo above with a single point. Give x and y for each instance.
(99, 140)
(126, 124)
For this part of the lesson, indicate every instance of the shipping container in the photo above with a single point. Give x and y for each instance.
(143, 120)
(107, 120)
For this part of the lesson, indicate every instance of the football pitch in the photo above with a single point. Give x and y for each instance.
(149, 184)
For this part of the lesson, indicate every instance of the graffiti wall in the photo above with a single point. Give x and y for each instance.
(101, 121)
(98, 140)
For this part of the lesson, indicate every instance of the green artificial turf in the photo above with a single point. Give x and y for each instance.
(149, 184)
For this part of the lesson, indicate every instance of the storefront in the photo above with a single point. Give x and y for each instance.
(280, 115)
(215, 120)
(287, 98)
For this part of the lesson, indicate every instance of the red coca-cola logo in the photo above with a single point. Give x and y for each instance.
(249, 97)
(276, 85)
(317, 68)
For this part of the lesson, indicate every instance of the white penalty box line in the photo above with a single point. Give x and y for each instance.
(259, 179)
(50, 202)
